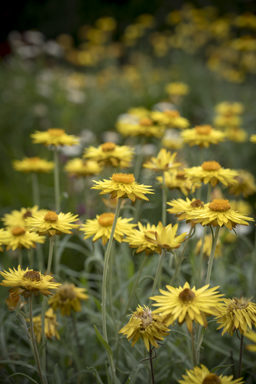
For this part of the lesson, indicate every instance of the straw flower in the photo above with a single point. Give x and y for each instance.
(28, 282)
(55, 137)
(19, 237)
(237, 314)
(229, 108)
(204, 376)
(245, 184)
(208, 247)
(253, 139)
(50, 326)
(187, 305)
(163, 162)
(33, 164)
(52, 223)
(170, 118)
(226, 121)
(236, 134)
(111, 154)
(180, 208)
(146, 325)
(139, 238)
(175, 179)
(123, 185)
(68, 298)
(252, 336)
(203, 136)
(101, 227)
(18, 218)
(165, 237)
(177, 89)
(81, 168)
(172, 139)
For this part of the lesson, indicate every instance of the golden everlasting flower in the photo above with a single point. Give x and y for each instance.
(177, 89)
(208, 247)
(202, 135)
(181, 207)
(50, 326)
(68, 298)
(219, 212)
(146, 325)
(54, 136)
(241, 206)
(170, 118)
(111, 154)
(178, 180)
(227, 121)
(229, 108)
(253, 139)
(252, 336)
(145, 126)
(165, 237)
(172, 139)
(123, 185)
(51, 223)
(236, 134)
(211, 172)
(81, 168)
(204, 376)
(33, 164)
(139, 238)
(245, 184)
(20, 237)
(163, 162)
(28, 282)
(101, 227)
(18, 218)
(237, 314)
(185, 304)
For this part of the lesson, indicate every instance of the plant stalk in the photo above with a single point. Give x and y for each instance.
(240, 356)
(35, 189)
(210, 262)
(151, 363)
(164, 197)
(181, 257)
(56, 180)
(51, 246)
(158, 271)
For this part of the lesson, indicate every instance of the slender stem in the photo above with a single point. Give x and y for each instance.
(181, 257)
(210, 262)
(40, 257)
(51, 245)
(43, 348)
(20, 257)
(56, 180)
(43, 381)
(86, 203)
(151, 363)
(35, 189)
(158, 271)
(30, 257)
(201, 259)
(193, 347)
(240, 356)
(139, 160)
(164, 202)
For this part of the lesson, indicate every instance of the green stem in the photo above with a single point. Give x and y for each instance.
(193, 347)
(181, 257)
(158, 271)
(210, 262)
(43, 348)
(56, 180)
(20, 257)
(151, 364)
(51, 245)
(30, 257)
(139, 160)
(35, 189)
(240, 356)
(164, 202)
(201, 259)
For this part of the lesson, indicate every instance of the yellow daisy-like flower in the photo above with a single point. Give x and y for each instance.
(165, 237)
(172, 139)
(51, 223)
(18, 218)
(101, 227)
(177, 89)
(170, 118)
(146, 325)
(54, 136)
(111, 154)
(139, 111)
(253, 139)
(245, 184)
(202, 136)
(178, 180)
(208, 247)
(241, 206)
(211, 172)
(204, 376)
(33, 164)
(252, 336)
(229, 108)
(163, 162)
(236, 134)
(226, 121)
(68, 298)
(27, 282)
(237, 314)
(19, 237)
(81, 168)
(219, 212)
(123, 185)
(2, 238)
(181, 207)
(139, 238)
(143, 127)
(50, 326)
(185, 304)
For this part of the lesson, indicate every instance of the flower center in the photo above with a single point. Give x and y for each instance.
(32, 275)
(212, 378)
(145, 317)
(181, 175)
(146, 121)
(126, 178)
(106, 219)
(33, 159)
(197, 204)
(211, 166)
(236, 303)
(18, 231)
(55, 131)
(203, 129)
(67, 292)
(187, 295)
(172, 113)
(220, 205)
(51, 216)
(28, 213)
(107, 147)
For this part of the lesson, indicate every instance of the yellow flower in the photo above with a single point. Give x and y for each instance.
(19, 237)
(170, 118)
(68, 298)
(219, 212)
(245, 184)
(54, 136)
(237, 314)
(227, 121)
(185, 304)
(163, 162)
(112, 154)
(208, 247)
(139, 238)
(51, 223)
(229, 108)
(27, 282)
(203, 136)
(81, 168)
(146, 325)
(165, 237)
(142, 127)
(123, 185)
(253, 139)
(101, 227)
(252, 336)
(177, 89)
(211, 172)
(50, 326)
(33, 164)
(241, 206)
(172, 139)
(18, 218)
(181, 207)
(139, 111)
(236, 134)
(178, 180)
(2, 238)
(204, 376)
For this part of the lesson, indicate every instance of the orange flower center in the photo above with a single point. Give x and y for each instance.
(211, 166)
(187, 295)
(146, 121)
(51, 216)
(18, 231)
(197, 204)
(220, 205)
(108, 147)
(172, 113)
(106, 219)
(33, 159)
(203, 129)
(212, 378)
(126, 178)
(55, 131)
(28, 213)
(67, 292)
(32, 275)
(181, 175)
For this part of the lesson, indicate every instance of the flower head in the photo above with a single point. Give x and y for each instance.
(27, 282)
(181, 207)
(163, 162)
(253, 139)
(123, 185)
(140, 126)
(33, 164)
(252, 336)
(111, 154)
(55, 137)
(203, 136)
(204, 376)
(18, 218)
(139, 238)
(68, 298)
(175, 179)
(170, 118)
(50, 326)
(81, 168)
(177, 89)
(20, 237)
(165, 237)
(146, 325)
(245, 184)
(208, 247)
(229, 108)
(172, 139)
(185, 304)
(236, 134)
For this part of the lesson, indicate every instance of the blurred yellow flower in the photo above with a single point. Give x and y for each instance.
(18, 218)
(245, 184)
(163, 162)
(139, 238)
(82, 168)
(33, 164)
(170, 118)
(253, 139)
(172, 139)
(208, 247)
(251, 336)
(54, 136)
(181, 207)
(68, 298)
(178, 180)
(236, 134)
(111, 154)
(177, 89)
(50, 326)
(202, 136)
(202, 375)
(229, 108)
(19, 237)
